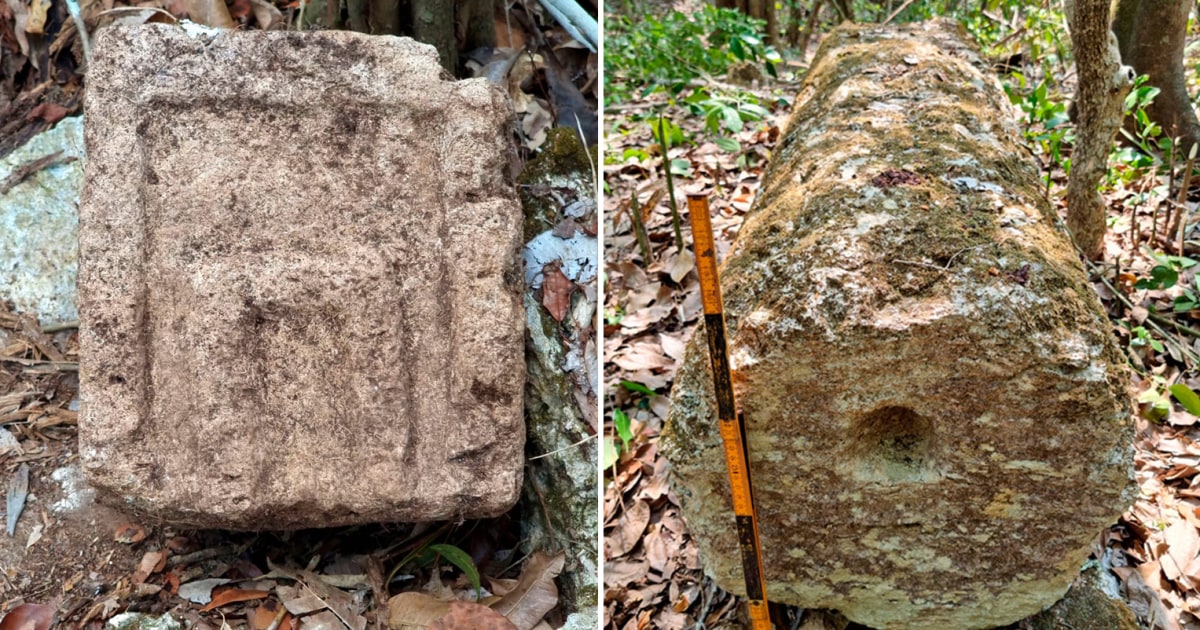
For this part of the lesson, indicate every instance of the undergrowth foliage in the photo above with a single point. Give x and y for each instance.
(646, 54)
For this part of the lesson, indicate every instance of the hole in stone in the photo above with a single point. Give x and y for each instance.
(893, 443)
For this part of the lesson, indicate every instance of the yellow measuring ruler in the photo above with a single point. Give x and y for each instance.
(733, 428)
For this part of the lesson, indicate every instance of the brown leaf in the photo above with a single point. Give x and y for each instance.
(556, 291)
(267, 16)
(469, 616)
(265, 615)
(210, 13)
(28, 617)
(152, 562)
(239, 10)
(324, 620)
(231, 595)
(535, 593)
(629, 529)
(130, 533)
(47, 111)
(37, 17)
(414, 611)
(682, 265)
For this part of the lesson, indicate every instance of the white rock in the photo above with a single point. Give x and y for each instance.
(39, 222)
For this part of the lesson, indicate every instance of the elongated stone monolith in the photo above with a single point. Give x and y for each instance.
(937, 420)
(299, 282)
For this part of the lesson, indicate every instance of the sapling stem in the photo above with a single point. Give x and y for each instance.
(665, 142)
(639, 228)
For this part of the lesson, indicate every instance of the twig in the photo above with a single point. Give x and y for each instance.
(537, 490)
(53, 328)
(565, 448)
(28, 169)
(813, 17)
(1167, 321)
(1153, 318)
(1178, 222)
(949, 263)
(56, 366)
(898, 10)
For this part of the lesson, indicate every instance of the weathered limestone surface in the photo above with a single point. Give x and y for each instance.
(39, 223)
(937, 420)
(299, 282)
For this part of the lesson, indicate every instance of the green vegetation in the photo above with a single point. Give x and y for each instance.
(646, 54)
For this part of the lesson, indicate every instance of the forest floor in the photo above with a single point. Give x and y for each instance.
(653, 577)
(68, 561)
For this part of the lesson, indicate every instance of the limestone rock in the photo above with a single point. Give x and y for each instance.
(1086, 605)
(937, 422)
(560, 392)
(39, 225)
(299, 282)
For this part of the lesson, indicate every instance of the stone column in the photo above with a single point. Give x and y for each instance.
(938, 424)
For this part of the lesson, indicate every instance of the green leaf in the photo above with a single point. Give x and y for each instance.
(727, 144)
(460, 559)
(1161, 277)
(731, 119)
(681, 167)
(610, 454)
(1186, 397)
(1159, 407)
(621, 423)
(637, 387)
(739, 51)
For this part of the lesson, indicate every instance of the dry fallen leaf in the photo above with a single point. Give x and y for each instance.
(37, 17)
(312, 585)
(535, 593)
(556, 291)
(414, 611)
(231, 595)
(129, 533)
(18, 490)
(200, 591)
(210, 13)
(469, 616)
(265, 615)
(629, 529)
(267, 16)
(152, 562)
(682, 265)
(28, 617)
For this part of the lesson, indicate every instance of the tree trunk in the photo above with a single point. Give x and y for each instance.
(1103, 84)
(814, 18)
(433, 23)
(772, 19)
(1151, 35)
(477, 25)
(845, 10)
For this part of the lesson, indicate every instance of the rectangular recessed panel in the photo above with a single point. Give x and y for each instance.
(299, 284)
